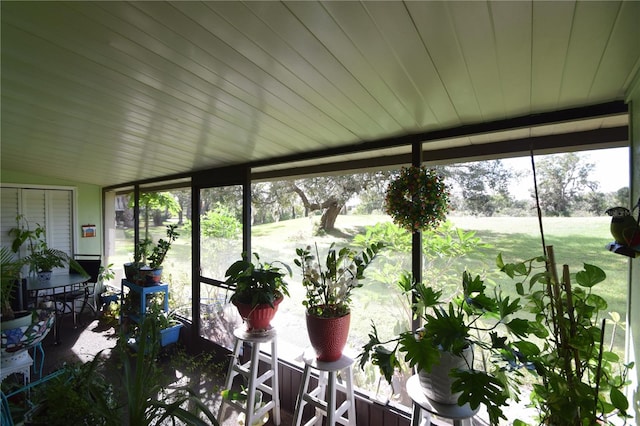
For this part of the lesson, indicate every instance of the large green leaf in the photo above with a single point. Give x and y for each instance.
(477, 388)
(422, 353)
(619, 400)
(386, 361)
(519, 327)
(590, 276)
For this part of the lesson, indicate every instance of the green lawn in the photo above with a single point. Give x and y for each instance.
(576, 240)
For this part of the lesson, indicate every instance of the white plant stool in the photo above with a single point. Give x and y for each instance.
(19, 362)
(459, 414)
(254, 414)
(327, 380)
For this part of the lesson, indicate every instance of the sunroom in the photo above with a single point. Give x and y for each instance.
(235, 108)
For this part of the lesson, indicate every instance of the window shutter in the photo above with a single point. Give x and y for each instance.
(8, 214)
(59, 225)
(51, 208)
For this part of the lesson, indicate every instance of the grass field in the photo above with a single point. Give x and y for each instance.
(576, 241)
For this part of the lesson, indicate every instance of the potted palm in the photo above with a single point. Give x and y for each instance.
(328, 294)
(259, 289)
(10, 269)
(442, 350)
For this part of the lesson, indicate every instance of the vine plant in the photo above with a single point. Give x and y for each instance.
(581, 382)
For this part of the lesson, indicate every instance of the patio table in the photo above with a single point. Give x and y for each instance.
(67, 282)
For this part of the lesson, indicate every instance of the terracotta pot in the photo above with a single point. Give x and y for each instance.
(328, 336)
(258, 317)
(436, 384)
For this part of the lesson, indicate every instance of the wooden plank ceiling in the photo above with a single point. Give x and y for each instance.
(113, 92)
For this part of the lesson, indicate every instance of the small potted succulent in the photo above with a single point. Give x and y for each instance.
(259, 289)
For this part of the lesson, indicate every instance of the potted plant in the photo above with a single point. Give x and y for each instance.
(10, 277)
(79, 394)
(155, 255)
(140, 253)
(21, 329)
(148, 401)
(578, 379)
(444, 346)
(259, 289)
(417, 199)
(84, 393)
(158, 254)
(165, 322)
(328, 294)
(40, 257)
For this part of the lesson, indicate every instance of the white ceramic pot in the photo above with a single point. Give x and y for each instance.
(436, 385)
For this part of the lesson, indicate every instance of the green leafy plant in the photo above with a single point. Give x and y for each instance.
(80, 395)
(142, 250)
(470, 320)
(160, 250)
(329, 286)
(156, 313)
(40, 257)
(442, 249)
(257, 283)
(220, 223)
(579, 380)
(10, 268)
(148, 401)
(106, 273)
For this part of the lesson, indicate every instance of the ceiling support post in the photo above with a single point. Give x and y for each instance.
(416, 241)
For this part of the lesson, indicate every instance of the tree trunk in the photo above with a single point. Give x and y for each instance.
(157, 217)
(331, 208)
(328, 219)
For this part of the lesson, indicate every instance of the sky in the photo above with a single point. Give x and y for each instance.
(611, 170)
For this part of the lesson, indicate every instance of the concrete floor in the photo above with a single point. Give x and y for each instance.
(82, 343)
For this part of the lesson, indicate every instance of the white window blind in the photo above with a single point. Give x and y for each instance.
(51, 208)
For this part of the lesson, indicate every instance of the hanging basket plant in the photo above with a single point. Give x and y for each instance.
(418, 199)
